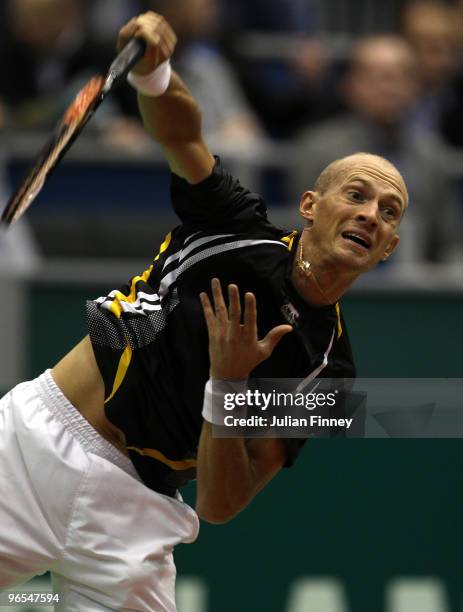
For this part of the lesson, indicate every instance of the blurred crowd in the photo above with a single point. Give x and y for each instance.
(265, 71)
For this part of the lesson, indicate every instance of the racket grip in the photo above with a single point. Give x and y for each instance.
(126, 60)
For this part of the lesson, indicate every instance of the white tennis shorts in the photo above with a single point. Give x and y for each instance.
(72, 504)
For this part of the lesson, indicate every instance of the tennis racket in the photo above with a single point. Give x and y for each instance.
(69, 127)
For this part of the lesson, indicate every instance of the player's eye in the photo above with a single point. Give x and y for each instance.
(355, 195)
(390, 212)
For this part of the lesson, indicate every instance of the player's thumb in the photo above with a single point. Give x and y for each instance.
(274, 336)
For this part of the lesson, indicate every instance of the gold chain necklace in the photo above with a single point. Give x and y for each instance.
(307, 269)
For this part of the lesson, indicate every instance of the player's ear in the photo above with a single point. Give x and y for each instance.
(306, 205)
(391, 247)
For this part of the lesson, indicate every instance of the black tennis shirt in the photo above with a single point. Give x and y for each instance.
(150, 338)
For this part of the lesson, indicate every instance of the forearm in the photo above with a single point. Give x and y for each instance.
(226, 476)
(173, 117)
(174, 121)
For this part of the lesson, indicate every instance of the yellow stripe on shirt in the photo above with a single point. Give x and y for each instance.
(122, 368)
(289, 239)
(338, 312)
(115, 305)
(184, 464)
(116, 309)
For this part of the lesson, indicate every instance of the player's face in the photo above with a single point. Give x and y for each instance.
(355, 221)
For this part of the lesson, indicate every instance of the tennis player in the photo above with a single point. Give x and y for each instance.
(94, 451)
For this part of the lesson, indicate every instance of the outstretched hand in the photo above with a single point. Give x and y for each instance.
(234, 348)
(159, 37)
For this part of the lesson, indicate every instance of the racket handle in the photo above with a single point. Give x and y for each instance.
(126, 60)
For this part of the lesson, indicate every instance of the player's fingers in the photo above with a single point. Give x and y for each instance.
(208, 312)
(169, 38)
(157, 34)
(250, 317)
(234, 309)
(273, 338)
(153, 39)
(168, 47)
(219, 302)
(166, 50)
(126, 33)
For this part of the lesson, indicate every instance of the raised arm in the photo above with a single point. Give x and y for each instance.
(231, 471)
(173, 119)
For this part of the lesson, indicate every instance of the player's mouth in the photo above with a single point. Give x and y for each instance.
(360, 239)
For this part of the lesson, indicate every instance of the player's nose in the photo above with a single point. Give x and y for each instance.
(369, 214)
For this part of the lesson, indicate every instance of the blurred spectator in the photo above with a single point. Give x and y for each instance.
(287, 92)
(283, 66)
(54, 54)
(51, 57)
(227, 118)
(430, 27)
(381, 88)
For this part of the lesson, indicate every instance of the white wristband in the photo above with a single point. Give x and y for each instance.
(214, 408)
(153, 84)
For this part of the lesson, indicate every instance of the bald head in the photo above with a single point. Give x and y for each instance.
(340, 169)
(382, 49)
